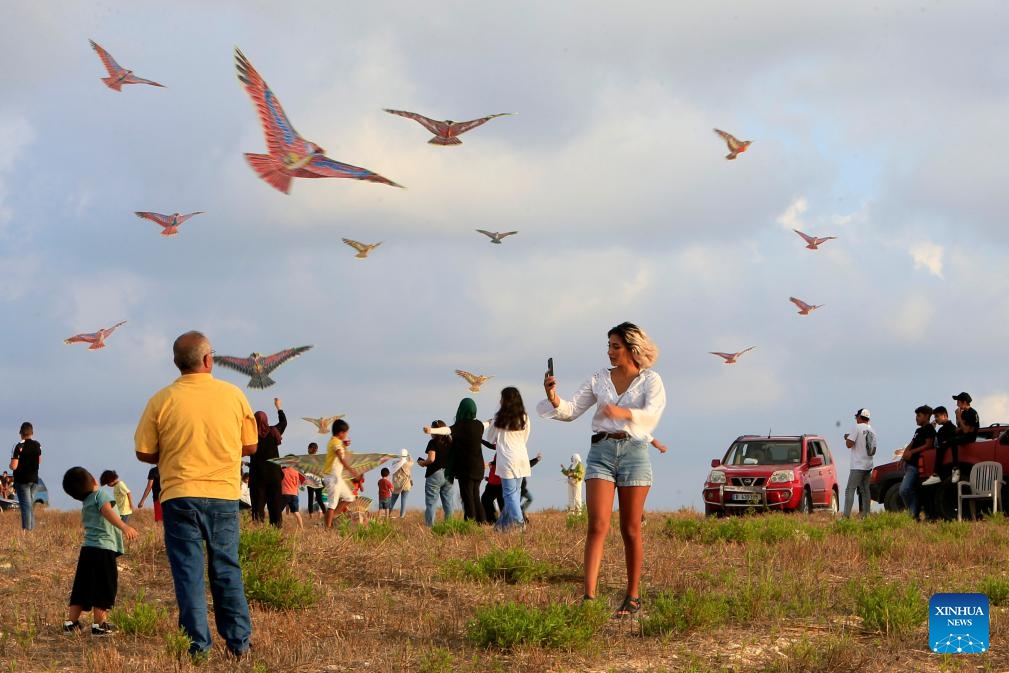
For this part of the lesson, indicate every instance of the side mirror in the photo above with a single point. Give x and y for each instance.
(816, 461)
(715, 462)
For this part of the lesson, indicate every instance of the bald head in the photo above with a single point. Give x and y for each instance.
(191, 350)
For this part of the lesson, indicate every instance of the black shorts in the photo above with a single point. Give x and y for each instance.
(290, 503)
(96, 580)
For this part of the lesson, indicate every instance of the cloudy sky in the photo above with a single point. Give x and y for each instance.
(875, 122)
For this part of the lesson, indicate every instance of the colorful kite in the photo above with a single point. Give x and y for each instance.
(311, 465)
(170, 223)
(118, 75)
(362, 248)
(446, 132)
(259, 366)
(290, 155)
(325, 424)
(736, 146)
(474, 381)
(96, 339)
(496, 236)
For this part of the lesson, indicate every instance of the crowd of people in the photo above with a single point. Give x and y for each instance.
(196, 432)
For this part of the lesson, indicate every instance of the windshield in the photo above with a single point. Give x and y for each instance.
(763, 452)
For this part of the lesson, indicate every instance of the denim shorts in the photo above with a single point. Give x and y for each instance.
(622, 461)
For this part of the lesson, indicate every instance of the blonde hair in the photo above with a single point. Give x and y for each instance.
(643, 350)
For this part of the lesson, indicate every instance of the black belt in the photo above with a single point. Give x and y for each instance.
(599, 436)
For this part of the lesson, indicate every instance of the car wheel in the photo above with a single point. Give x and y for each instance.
(806, 503)
(834, 504)
(892, 502)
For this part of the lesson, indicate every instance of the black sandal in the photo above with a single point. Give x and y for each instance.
(630, 607)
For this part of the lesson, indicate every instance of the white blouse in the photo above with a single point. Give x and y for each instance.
(645, 398)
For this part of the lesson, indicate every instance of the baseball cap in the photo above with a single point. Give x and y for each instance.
(964, 397)
(864, 413)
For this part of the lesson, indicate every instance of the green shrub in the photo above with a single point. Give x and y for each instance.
(265, 558)
(375, 530)
(996, 589)
(177, 644)
(512, 566)
(895, 608)
(875, 543)
(456, 527)
(769, 529)
(577, 521)
(436, 661)
(668, 613)
(556, 626)
(141, 620)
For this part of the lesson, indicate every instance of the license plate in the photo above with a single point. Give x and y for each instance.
(747, 497)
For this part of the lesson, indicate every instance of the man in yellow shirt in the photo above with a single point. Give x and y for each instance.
(196, 431)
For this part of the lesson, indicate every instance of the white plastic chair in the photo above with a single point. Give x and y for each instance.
(985, 482)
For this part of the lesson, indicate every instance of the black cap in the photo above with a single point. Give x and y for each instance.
(924, 409)
(963, 397)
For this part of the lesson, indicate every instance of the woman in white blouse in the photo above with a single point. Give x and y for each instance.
(629, 399)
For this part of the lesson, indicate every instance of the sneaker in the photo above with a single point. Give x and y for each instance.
(934, 479)
(102, 629)
(71, 627)
(956, 475)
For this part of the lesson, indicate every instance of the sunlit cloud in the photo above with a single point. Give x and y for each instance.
(928, 256)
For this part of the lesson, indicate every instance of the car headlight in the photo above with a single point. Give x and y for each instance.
(716, 477)
(781, 477)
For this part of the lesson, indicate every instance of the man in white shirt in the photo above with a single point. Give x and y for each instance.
(862, 442)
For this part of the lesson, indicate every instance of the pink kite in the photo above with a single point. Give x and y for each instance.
(446, 132)
(96, 339)
(118, 75)
(169, 223)
(290, 155)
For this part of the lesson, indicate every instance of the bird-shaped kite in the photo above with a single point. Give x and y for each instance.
(496, 236)
(325, 424)
(814, 242)
(730, 358)
(804, 308)
(474, 381)
(446, 132)
(362, 248)
(735, 145)
(118, 75)
(96, 339)
(259, 366)
(170, 223)
(290, 155)
(311, 465)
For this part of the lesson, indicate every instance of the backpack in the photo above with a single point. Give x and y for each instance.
(401, 480)
(870, 443)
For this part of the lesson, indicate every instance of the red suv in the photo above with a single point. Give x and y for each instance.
(781, 473)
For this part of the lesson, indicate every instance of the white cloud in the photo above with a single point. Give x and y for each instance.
(16, 134)
(995, 407)
(792, 217)
(912, 318)
(927, 255)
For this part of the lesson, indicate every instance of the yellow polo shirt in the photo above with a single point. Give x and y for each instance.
(333, 449)
(197, 426)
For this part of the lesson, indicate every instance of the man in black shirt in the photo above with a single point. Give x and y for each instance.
(945, 438)
(923, 440)
(25, 461)
(967, 421)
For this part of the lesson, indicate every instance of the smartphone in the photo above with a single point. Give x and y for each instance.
(550, 366)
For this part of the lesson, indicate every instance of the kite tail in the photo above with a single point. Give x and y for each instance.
(270, 169)
(731, 155)
(95, 346)
(113, 83)
(261, 381)
(438, 140)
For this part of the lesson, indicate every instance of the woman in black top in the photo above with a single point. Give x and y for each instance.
(265, 477)
(436, 484)
(467, 458)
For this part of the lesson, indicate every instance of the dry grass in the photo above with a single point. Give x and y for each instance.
(397, 604)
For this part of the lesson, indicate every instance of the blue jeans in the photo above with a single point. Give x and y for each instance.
(511, 513)
(437, 486)
(909, 490)
(189, 523)
(26, 503)
(401, 496)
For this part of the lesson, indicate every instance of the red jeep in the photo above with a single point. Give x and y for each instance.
(940, 500)
(783, 473)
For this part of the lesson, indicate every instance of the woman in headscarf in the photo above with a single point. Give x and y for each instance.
(467, 464)
(629, 399)
(402, 482)
(265, 478)
(575, 472)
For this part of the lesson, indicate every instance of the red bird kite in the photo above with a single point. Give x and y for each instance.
(170, 223)
(259, 366)
(118, 75)
(96, 339)
(736, 146)
(730, 358)
(446, 132)
(804, 308)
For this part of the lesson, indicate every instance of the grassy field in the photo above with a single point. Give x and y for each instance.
(775, 593)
